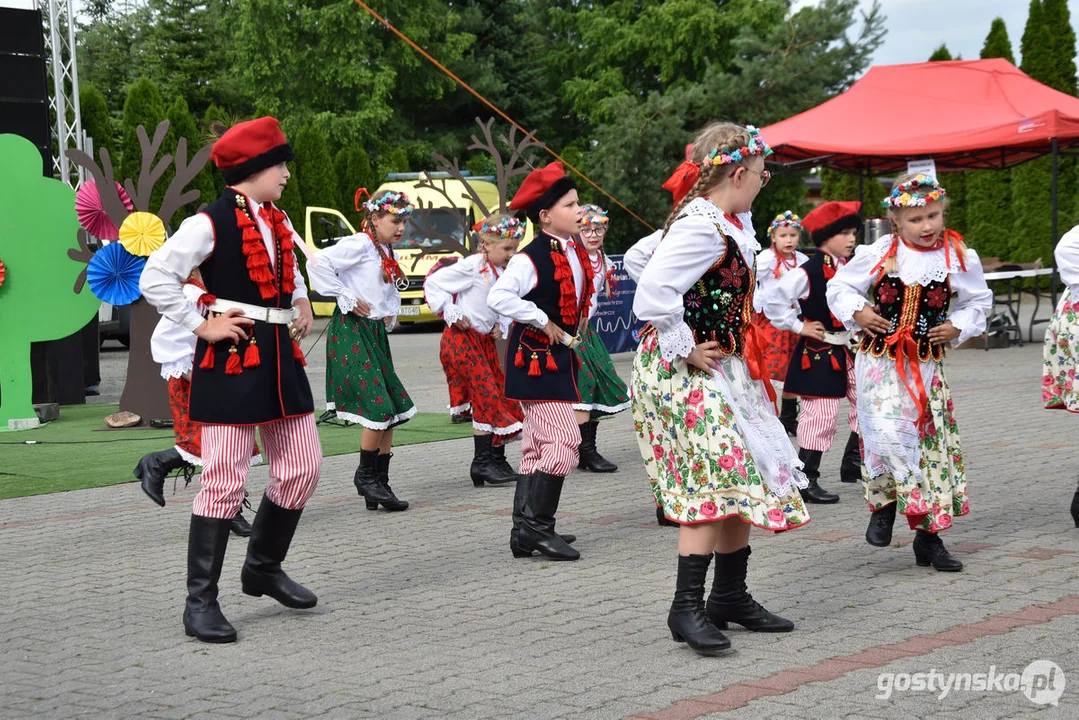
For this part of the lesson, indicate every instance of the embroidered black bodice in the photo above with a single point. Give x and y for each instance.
(919, 307)
(719, 305)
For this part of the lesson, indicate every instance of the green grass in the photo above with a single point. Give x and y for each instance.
(78, 451)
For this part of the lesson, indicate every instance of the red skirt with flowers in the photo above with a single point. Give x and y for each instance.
(471, 364)
(778, 347)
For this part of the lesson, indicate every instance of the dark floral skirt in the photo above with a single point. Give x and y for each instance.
(778, 347)
(602, 391)
(361, 384)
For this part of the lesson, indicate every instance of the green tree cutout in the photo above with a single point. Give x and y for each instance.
(44, 296)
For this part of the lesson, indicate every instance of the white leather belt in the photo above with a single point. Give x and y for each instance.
(838, 338)
(274, 316)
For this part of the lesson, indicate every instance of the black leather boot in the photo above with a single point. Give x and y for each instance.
(811, 467)
(730, 600)
(498, 457)
(879, 532)
(520, 499)
(239, 525)
(850, 470)
(154, 468)
(687, 620)
(395, 504)
(788, 415)
(1075, 508)
(368, 481)
(271, 536)
(537, 525)
(929, 550)
(206, 543)
(590, 459)
(484, 469)
(662, 520)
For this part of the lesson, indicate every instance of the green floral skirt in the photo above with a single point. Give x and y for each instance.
(361, 384)
(695, 430)
(602, 391)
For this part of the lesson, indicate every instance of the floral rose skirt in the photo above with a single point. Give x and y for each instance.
(931, 497)
(1060, 357)
(695, 457)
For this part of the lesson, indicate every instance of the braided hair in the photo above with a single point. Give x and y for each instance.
(716, 135)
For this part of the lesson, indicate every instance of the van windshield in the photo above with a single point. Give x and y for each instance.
(435, 230)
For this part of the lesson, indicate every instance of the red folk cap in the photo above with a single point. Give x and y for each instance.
(249, 147)
(542, 189)
(830, 218)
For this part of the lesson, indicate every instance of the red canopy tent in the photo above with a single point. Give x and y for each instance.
(964, 114)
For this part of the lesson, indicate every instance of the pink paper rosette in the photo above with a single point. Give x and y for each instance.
(91, 211)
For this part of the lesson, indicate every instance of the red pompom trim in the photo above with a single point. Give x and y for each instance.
(232, 365)
(251, 354)
(533, 366)
(208, 358)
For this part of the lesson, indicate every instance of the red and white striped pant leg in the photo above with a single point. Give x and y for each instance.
(530, 455)
(817, 423)
(226, 458)
(295, 456)
(552, 436)
(852, 397)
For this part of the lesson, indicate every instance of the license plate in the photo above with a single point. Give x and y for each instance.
(408, 311)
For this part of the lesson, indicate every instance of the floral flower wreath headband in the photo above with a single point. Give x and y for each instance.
(384, 202)
(786, 219)
(593, 215)
(685, 176)
(919, 191)
(508, 228)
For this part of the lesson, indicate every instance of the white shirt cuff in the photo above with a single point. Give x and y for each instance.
(676, 343)
(845, 306)
(345, 303)
(796, 328)
(192, 320)
(451, 314)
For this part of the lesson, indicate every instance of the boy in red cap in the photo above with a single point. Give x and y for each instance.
(822, 368)
(249, 373)
(547, 289)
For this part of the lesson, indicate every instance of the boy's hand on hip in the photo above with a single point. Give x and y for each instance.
(230, 325)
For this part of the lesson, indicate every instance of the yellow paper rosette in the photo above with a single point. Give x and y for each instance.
(142, 233)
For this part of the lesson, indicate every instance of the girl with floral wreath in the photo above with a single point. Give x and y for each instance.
(718, 459)
(900, 291)
(459, 293)
(603, 393)
(362, 272)
(772, 264)
(1061, 350)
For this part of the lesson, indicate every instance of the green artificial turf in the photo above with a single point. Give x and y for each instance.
(78, 451)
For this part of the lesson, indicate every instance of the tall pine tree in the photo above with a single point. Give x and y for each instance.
(940, 53)
(145, 107)
(353, 170)
(989, 214)
(1050, 59)
(182, 125)
(96, 120)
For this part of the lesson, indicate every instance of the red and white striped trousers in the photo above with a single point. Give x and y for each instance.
(550, 439)
(817, 422)
(292, 447)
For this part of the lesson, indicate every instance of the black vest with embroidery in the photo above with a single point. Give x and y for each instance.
(818, 369)
(919, 307)
(530, 345)
(720, 304)
(278, 387)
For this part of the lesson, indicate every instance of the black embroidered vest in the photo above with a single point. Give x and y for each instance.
(815, 305)
(278, 387)
(919, 307)
(719, 305)
(530, 345)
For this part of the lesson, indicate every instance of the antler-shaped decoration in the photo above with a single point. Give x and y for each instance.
(454, 170)
(504, 172)
(105, 179)
(148, 176)
(175, 197)
(82, 255)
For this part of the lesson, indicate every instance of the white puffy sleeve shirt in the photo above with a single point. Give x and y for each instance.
(848, 291)
(767, 280)
(172, 346)
(168, 267)
(470, 279)
(1067, 261)
(637, 257)
(350, 270)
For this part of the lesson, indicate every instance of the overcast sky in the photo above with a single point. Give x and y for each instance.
(917, 27)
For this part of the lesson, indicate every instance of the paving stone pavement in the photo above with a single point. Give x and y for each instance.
(425, 614)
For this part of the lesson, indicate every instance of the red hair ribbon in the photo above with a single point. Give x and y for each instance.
(683, 178)
(359, 194)
(478, 225)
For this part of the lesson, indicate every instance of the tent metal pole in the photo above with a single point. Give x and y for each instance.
(1053, 244)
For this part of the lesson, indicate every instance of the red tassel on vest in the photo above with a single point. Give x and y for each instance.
(233, 365)
(835, 362)
(805, 359)
(551, 366)
(297, 352)
(251, 354)
(519, 358)
(533, 367)
(208, 359)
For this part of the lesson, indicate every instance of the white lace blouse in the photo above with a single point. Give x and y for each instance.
(1067, 261)
(766, 276)
(638, 256)
(848, 291)
(351, 270)
(691, 246)
(470, 279)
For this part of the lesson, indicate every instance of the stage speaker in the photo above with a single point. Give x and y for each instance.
(24, 94)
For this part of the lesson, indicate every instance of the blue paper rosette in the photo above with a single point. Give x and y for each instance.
(113, 274)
